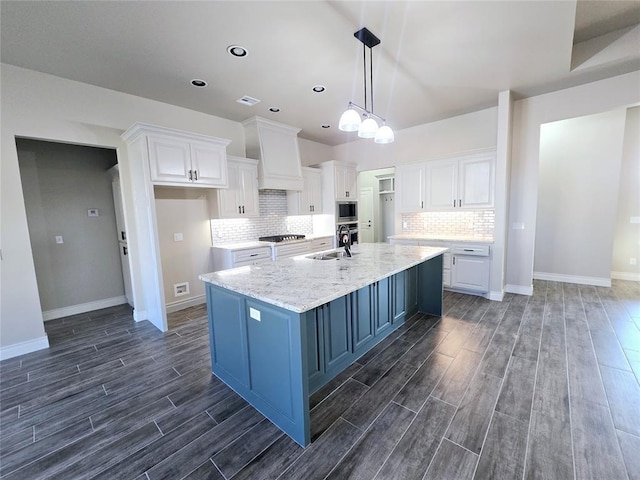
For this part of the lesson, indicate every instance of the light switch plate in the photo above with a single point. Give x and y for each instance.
(93, 212)
(59, 239)
(177, 237)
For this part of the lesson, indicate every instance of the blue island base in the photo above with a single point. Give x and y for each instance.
(275, 358)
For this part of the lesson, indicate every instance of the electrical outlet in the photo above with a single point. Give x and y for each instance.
(633, 261)
(178, 237)
(180, 289)
(59, 239)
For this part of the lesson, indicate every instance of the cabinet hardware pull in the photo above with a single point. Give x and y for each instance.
(469, 250)
(253, 255)
(243, 209)
(460, 203)
(190, 175)
(454, 260)
(125, 251)
(195, 174)
(422, 204)
(239, 209)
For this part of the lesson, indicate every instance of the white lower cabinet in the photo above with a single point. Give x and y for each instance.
(466, 266)
(232, 257)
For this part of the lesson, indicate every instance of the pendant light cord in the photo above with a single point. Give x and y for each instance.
(371, 70)
(364, 71)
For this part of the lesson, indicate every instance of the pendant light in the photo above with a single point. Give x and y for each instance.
(351, 121)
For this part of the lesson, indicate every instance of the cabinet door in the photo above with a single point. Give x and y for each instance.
(228, 334)
(398, 300)
(209, 164)
(476, 185)
(383, 304)
(169, 160)
(337, 332)
(442, 184)
(248, 191)
(470, 273)
(313, 187)
(346, 179)
(362, 318)
(410, 183)
(228, 197)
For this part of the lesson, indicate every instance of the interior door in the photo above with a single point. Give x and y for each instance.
(366, 222)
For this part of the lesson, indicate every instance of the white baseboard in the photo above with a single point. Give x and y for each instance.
(519, 289)
(634, 277)
(182, 304)
(580, 280)
(21, 348)
(496, 296)
(139, 315)
(83, 307)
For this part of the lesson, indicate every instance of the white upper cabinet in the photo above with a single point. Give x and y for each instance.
(451, 184)
(410, 187)
(178, 158)
(275, 145)
(476, 184)
(442, 181)
(346, 178)
(308, 201)
(339, 183)
(241, 198)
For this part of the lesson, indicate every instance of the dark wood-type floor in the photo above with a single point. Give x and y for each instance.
(531, 387)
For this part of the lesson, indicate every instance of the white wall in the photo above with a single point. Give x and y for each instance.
(60, 183)
(185, 211)
(579, 174)
(464, 133)
(627, 235)
(42, 106)
(312, 153)
(529, 115)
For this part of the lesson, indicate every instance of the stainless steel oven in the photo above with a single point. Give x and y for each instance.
(346, 212)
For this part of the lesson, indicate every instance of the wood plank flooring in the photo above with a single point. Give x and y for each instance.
(545, 386)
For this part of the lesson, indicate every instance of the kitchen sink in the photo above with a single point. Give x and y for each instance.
(330, 255)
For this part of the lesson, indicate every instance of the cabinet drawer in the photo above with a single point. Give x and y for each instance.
(291, 250)
(253, 254)
(476, 250)
(320, 244)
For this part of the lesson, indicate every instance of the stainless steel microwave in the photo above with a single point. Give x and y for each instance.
(346, 212)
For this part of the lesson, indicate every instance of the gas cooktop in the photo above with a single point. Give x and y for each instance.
(281, 238)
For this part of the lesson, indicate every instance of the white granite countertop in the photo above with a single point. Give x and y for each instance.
(300, 284)
(443, 238)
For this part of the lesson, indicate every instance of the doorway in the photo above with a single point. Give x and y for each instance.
(376, 212)
(72, 226)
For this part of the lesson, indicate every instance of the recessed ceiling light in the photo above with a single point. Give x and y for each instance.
(196, 82)
(319, 88)
(274, 109)
(248, 101)
(237, 51)
(326, 126)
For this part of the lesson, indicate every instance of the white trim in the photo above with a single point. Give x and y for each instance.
(139, 315)
(83, 308)
(496, 296)
(557, 277)
(634, 277)
(182, 304)
(519, 289)
(22, 348)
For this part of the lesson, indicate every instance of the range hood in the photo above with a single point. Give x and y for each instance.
(275, 146)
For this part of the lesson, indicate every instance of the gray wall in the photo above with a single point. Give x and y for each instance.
(627, 235)
(60, 183)
(579, 174)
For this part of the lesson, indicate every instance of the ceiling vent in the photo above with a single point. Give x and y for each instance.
(248, 101)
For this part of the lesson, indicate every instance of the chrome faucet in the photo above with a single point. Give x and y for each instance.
(344, 237)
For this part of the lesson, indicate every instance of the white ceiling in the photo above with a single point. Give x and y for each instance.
(436, 59)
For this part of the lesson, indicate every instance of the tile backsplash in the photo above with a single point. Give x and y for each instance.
(473, 223)
(273, 220)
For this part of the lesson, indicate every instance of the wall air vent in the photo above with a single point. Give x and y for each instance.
(248, 101)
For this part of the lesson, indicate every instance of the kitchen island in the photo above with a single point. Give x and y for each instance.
(280, 330)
